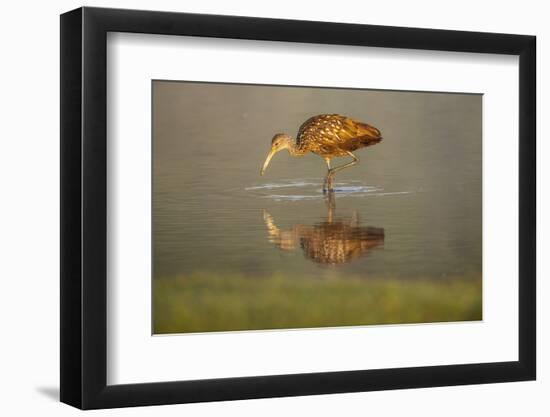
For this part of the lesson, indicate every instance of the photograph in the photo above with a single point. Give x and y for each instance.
(294, 207)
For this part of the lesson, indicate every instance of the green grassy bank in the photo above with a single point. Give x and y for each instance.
(204, 303)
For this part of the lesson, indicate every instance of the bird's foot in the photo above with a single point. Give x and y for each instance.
(327, 185)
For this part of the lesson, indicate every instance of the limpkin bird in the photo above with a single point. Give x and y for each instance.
(329, 136)
(331, 242)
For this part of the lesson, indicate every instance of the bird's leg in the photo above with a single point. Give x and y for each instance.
(329, 180)
(327, 185)
(349, 164)
(334, 170)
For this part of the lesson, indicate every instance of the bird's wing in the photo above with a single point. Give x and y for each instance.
(354, 135)
(353, 130)
(334, 131)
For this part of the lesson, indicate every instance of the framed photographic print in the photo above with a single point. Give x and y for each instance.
(257, 208)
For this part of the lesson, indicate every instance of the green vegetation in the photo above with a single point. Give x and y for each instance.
(205, 303)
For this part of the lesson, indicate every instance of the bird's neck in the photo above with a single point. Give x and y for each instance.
(295, 150)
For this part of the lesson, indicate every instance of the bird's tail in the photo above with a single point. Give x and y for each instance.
(369, 134)
(369, 140)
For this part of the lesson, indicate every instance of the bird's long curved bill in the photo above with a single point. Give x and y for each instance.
(267, 161)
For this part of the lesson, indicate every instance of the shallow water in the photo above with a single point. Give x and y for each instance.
(410, 209)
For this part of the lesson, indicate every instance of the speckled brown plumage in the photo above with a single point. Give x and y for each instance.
(338, 242)
(331, 135)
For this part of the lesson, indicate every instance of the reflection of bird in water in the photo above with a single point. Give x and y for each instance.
(330, 242)
(329, 136)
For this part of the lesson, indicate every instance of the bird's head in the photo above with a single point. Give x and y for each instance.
(279, 142)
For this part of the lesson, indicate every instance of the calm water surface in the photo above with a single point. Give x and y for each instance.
(410, 209)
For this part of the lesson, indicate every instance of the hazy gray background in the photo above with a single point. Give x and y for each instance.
(422, 184)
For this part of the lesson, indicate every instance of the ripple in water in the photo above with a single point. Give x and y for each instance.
(299, 190)
(270, 186)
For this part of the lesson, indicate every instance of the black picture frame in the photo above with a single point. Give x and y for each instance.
(84, 207)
